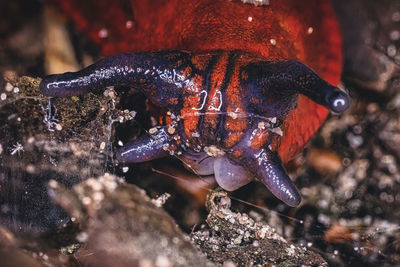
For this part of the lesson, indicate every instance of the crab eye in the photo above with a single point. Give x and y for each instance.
(338, 101)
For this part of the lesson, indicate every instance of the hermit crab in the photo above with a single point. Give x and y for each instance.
(243, 85)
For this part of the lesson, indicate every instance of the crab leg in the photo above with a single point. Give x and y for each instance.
(267, 167)
(159, 75)
(147, 147)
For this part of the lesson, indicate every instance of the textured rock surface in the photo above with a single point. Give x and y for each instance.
(238, 238)
(121, 226)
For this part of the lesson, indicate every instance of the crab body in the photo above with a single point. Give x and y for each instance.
(240, 99)
(225, 109)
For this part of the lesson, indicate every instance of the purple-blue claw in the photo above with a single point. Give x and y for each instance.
(268, 169)
(147, 147)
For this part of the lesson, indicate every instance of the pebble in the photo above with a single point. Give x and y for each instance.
(9, 87)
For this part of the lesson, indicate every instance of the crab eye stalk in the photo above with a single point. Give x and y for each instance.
(292, 77)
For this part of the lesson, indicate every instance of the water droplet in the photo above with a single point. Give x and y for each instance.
(129, 24)
(103, 33)
(391, 50)
(396, 16)
(395, 35)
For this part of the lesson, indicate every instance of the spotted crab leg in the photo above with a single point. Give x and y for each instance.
(147, 147)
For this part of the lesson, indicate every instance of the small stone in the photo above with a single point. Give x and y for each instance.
(171, 130)
(214, 151)
(9, 87)
(102, 145)
(163, 261)
(233, 115)
(391, 50)
(82, 237)
(238, 240)
(153, 130)
(86, 201)
(3, 96)
(160, 201)
(229, 263)
(53, 183)
(98, 196)
(133, 113)
(277, 131)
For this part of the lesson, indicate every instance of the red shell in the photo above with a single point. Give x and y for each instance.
(306, 30)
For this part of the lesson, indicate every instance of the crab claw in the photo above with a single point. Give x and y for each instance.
(266, 167)
(145, 148)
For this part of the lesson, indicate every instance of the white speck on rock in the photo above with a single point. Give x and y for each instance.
(82, 237)
(163, 261)
(9, 87)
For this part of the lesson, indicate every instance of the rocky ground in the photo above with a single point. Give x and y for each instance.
(64, 203)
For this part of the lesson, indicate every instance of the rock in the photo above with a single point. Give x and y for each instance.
(370, 56)
(121, 226)
(236, 237)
